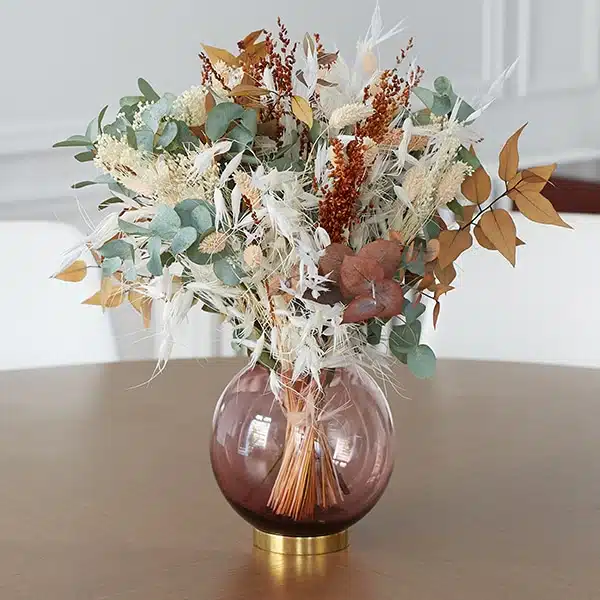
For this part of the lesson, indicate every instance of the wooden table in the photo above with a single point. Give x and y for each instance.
(107, 494)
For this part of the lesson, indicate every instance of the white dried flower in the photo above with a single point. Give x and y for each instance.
(451, 182)
(350, 114)
(231, 76)
(214, 242)
(190, 106)
(253, 256)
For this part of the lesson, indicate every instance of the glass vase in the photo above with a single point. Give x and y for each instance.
(304, 466)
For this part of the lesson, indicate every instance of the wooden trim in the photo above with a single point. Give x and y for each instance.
(574, 195)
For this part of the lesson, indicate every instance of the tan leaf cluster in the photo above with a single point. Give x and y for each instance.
(74, 272)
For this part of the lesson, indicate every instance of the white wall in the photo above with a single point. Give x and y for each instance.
(62, 60)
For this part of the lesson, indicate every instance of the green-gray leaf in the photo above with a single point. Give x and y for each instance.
(132, 228)
(82, 184)
(85, 156)
(201, 218)
(91, 132)
(153, 114)
(168, 135)
(147, 90)
(74, 140)
(129, 270)
(457, 208)
(110, 265)
(421, 361)
(120, 248)
(101, 118)
(145, 139)
(404, 337)
(374, 332)
(154, 263)
(166, 222)
(130, 100)
(183, 239)
(132, 138)
(432, 230)
(220, 117)
(413, 311)
(469, 158)
(106, 203)
(443, 86)
(228, 271)
(442, 105)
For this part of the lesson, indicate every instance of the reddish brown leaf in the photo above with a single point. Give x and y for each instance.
(386, 253)
(209, 102)
(436, 314)
(331, 262)
(478, 187)
(499, 228)
(358, 275)
(440, 289)
(452, 244)
(509, 156)
(361, 309)
(427, 281)
(389, 297)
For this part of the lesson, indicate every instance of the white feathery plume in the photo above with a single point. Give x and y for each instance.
(205, 158)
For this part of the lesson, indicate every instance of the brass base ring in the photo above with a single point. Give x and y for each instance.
(300, 546)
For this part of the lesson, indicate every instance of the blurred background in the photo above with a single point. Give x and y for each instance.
(63, 60)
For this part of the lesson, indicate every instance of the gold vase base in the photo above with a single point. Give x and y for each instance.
(300, 546)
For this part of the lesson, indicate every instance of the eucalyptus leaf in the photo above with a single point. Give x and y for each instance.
(432, 230)
(465, 110)
(183, 239)
(315, 131)
(91, 132)
(228, 271)
(166, 222)
(147, 90)
(110, 265)
(153, 114)
(154, 263)
(167, 259)
(404, 337)
(250, 120)
(112, 200)
(73, 141)
(132, 228)
(202, 218)
(129, 270)
(82, 184)
(421, 361)
(469, 158)
(201, 258)
(131, 138)
(219, 118)
(85, 156)
(457, 208)
(374, 332)
(101, 118)
(242, 136)
(413, 311)
(426, 96)
(185, 136)
(145, 140)
(443, 86)
(124, 250)
(442, 105)
(130, 100)
(168, 135)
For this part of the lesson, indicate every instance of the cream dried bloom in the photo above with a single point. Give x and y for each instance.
(190, 106)
(231, 76)
(249, 191)
(253, 256)
(213, 243)
(349, 114)
(451, 182)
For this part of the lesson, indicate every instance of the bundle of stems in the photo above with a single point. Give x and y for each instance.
(307, 479)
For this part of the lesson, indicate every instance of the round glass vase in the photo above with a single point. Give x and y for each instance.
(302, 467)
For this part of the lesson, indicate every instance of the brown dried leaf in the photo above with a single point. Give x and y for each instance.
(499, 227)
(325, 83)
(255, 52)
(389, 297)
(109, 296)
(209, 102)
(478, 187)
(142, 304)
(74, 272)
(468, 214)
(302, 110)
(358, 275)
(536, 207)
(520, 242)
(331, 262)
(250, 39)
(452, 244)
(440, 289)
(432, 250)
(533, 179)
(509, 156)
(245, 90)
(269, 128)
(447, 275)
(217, 54)
(427, 281)
(483, 239)
(326, 58)
(361, 309)
(388, 254)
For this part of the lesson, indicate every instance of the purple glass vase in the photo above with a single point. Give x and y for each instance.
(290, 477)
